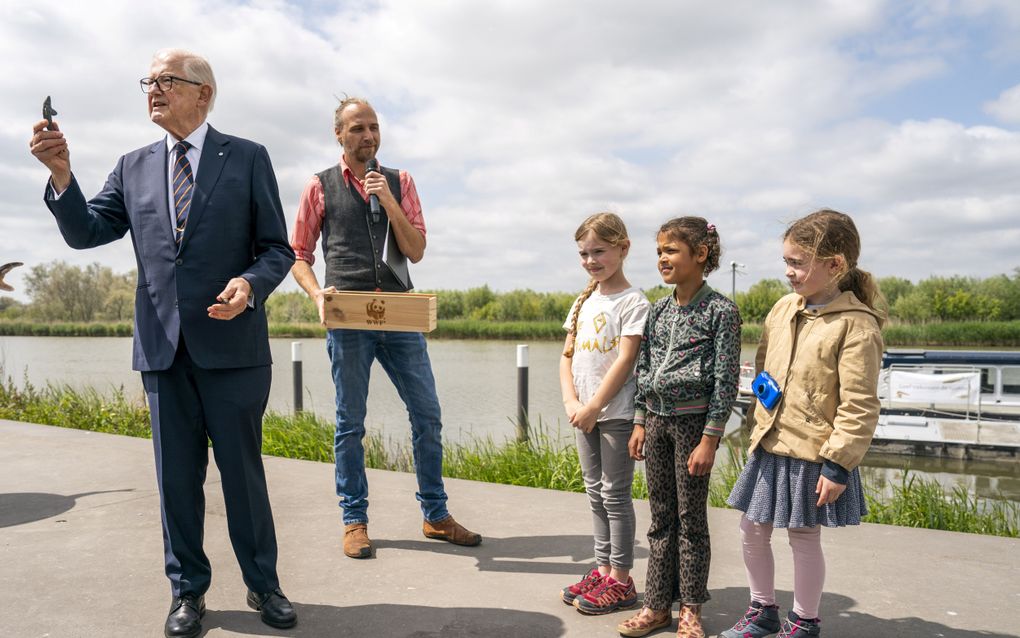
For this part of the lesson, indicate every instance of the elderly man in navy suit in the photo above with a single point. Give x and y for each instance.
(209, 235)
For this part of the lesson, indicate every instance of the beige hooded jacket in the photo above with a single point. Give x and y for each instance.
(826, 361)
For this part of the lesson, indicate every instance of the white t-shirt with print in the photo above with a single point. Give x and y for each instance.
(603, 322)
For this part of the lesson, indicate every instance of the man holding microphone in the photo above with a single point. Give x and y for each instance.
(371, 224)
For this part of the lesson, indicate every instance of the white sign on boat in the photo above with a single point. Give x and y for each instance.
(963, 388)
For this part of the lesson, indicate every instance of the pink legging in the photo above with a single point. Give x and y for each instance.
(808, 565)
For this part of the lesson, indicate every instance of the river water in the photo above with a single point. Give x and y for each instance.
(477, 386)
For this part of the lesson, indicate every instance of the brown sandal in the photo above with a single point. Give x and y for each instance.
(641, 624)
(690, 622)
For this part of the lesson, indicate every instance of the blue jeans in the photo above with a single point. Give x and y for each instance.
(405, 359)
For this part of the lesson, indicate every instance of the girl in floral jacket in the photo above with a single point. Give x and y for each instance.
(687, 376)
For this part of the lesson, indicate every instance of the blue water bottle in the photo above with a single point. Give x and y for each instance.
(766, 389)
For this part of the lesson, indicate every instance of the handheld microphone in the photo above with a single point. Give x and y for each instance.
(373, 200)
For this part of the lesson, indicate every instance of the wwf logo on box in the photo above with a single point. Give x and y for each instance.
(376, 311)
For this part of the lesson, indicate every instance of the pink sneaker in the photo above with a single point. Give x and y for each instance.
(590, 581)
(607, 597)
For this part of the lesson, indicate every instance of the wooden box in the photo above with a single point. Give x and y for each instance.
(400, 311)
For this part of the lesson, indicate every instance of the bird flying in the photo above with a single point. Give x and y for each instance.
(6, 268)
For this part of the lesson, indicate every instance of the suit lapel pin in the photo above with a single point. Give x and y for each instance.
(221, 153)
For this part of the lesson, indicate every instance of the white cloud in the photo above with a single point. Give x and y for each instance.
(1006, 108)
(518, 119)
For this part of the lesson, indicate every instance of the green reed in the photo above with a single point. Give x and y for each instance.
(445, 329)
(545, 461)
(488, 329)
(67, 407)
(297, 436)
(923, 503)
(297, 331)
(45, 329)
(954, 333)
(726, 471)
(962, 333)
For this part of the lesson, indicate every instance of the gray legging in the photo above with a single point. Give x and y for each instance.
(608, 473)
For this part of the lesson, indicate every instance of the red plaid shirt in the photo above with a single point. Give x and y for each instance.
(312, 210)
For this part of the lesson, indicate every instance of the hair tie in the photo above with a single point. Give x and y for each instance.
(710, 228)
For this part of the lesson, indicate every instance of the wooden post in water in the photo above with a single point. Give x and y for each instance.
(522, 393)
(295, 357)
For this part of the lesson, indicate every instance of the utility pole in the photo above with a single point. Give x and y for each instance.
(734, 268)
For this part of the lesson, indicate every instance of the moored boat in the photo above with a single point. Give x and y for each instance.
(957, 403)
(952, 403)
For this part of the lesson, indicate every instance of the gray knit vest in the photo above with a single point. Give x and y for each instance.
(353, 247)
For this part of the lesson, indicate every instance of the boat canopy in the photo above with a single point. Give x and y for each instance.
(951, 357)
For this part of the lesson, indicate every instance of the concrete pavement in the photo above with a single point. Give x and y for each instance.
(81, 555)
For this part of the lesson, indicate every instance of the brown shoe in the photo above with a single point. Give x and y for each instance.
(690, 622)
(451, 531)
(356, 543)
(645, 622)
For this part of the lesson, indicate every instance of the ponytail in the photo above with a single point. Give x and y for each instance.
(828, 234)
(865, 288)
(695, 232)
(568, 352)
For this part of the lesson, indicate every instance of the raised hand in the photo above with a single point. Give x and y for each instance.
(49, 147)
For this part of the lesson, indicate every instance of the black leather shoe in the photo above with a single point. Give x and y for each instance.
(185, 617)
(275, 609)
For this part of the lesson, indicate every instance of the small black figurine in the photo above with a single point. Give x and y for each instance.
(48, 113)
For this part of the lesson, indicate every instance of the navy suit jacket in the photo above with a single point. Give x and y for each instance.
(236, 227)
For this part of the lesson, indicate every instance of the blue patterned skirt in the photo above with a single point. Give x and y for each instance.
(781, 490)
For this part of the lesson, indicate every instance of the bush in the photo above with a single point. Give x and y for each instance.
(758, 300)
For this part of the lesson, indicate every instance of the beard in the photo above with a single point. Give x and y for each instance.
(364, 153)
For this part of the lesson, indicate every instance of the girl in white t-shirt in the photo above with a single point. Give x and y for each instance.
(604, 331)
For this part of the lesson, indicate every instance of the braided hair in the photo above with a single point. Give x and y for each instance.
(608, 227)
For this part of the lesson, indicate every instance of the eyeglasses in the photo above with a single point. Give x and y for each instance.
(164, 82)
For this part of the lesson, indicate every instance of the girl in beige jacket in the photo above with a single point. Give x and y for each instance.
(823, 345)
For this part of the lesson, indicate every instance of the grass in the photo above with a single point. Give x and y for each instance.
(544, 462)
(44, 329)
(968, 333)
(999, 334)
(83, 410)
(726, 470)
(485, 329)
(922, 503)
(297, 331)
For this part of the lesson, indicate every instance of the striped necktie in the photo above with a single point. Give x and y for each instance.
(184, 183)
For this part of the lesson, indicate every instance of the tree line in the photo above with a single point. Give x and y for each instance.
(60, 292)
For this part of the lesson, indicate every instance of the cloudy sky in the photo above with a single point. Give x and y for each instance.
(518, 118)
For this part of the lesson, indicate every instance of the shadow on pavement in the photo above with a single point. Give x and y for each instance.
(838, 619)
(396, 621)
(516, 553)
(19, 508)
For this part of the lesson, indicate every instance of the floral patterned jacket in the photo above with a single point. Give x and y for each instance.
(689, 361)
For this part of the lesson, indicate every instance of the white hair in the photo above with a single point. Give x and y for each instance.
(195, 68)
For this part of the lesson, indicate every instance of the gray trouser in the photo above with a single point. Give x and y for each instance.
(608, 473)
